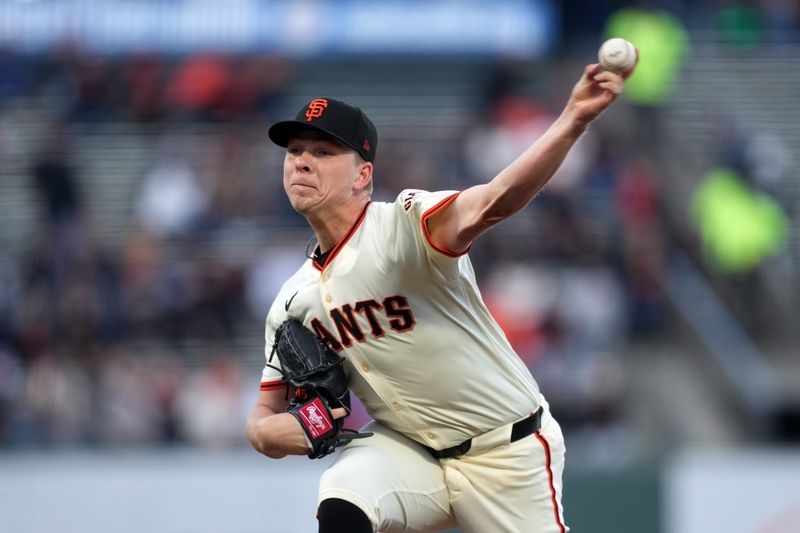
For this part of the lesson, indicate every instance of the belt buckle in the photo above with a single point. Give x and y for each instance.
(462, 448)
(453, 451)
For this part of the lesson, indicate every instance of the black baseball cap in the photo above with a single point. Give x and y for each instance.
(342, 121)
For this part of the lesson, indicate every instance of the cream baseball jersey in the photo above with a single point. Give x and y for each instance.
(421, 350)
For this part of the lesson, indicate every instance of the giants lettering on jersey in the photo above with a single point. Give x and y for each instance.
(353, 322)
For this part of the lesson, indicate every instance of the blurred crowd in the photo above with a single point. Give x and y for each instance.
(144, 87)
(136, 342)
(150, 339)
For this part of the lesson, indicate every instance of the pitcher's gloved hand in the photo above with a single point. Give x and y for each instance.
(320, 384)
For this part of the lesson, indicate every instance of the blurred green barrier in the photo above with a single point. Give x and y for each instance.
(662, 42)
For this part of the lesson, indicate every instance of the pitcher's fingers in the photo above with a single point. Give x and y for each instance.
(607, 75)
(612, 86)
(339, 412)
(591, 71)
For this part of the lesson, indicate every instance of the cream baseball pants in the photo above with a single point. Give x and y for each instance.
(496, 487)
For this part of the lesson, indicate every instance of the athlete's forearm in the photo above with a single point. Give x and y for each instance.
(480, 207)
(518, 183)
(276, 435)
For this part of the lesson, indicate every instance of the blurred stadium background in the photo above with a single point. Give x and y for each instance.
(653, 288)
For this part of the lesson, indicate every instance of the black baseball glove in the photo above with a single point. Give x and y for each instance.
(320, 384)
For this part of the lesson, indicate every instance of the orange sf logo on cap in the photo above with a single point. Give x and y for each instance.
(316, 108)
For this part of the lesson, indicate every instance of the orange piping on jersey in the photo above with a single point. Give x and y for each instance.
(424, 221)
(546, 446)
(341, 243)
(272, 385)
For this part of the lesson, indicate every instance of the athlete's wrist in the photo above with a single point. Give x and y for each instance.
(569, 123)
(279, 435)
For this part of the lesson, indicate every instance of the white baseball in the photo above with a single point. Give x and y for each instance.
(617, 55)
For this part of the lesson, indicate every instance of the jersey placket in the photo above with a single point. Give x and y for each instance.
(393, 401)
(356, 354)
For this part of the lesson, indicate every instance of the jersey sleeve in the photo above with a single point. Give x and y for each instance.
(412, 244)
(271, 376)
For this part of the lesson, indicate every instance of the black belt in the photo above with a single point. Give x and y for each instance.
(523, 428)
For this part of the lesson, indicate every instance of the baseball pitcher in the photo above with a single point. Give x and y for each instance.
(387, 307)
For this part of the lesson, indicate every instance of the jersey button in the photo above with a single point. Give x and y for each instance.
(325, 277)
(431, 435)
(396, 406)
(365, 367)
(328, 298)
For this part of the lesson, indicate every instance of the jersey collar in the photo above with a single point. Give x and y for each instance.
(335, 250)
